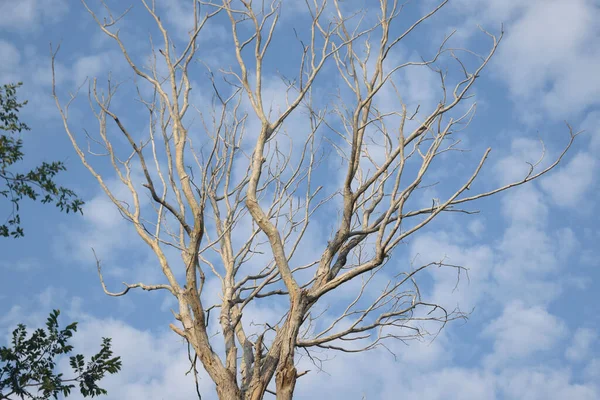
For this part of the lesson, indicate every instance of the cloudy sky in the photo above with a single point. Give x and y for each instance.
(532, 253)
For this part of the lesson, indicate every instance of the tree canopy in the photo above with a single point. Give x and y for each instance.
(38, 183)
(27, 369)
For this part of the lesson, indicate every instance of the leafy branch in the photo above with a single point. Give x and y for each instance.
(37, 183)
(27, 367)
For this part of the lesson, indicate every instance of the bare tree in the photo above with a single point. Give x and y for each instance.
(354, 155)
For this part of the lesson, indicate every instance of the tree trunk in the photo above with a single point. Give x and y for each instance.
(285, 379)
(286, 374)
(229, 392)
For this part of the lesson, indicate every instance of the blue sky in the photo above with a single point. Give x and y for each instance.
(532, 253)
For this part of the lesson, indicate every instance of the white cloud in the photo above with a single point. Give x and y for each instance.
(154, 364)
(102, 233)
(569, 185)
(554, 68)
(49, 298)
(525, 205)
(591, 125)
(522, 264)
(448, 383)
(514, 166)
(549, 71)
(580, 346)
(27, 15)
(92, 66)
(102, 212)
(180, 15)
(476, 227)
(529, 255)
(418, 86)
(18, 314)
(529, 262)
(376, 376)
(522, 331)
(23, 264)
(567, 243)
(592, 370)
(590, 257)
(544, 384)
(448, 290)
(25, 64)
(104, 230)
(11, 58)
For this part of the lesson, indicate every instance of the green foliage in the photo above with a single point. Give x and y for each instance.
(37, 183)
(27, 368)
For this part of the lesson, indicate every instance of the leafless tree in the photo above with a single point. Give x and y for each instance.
(353, 155)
